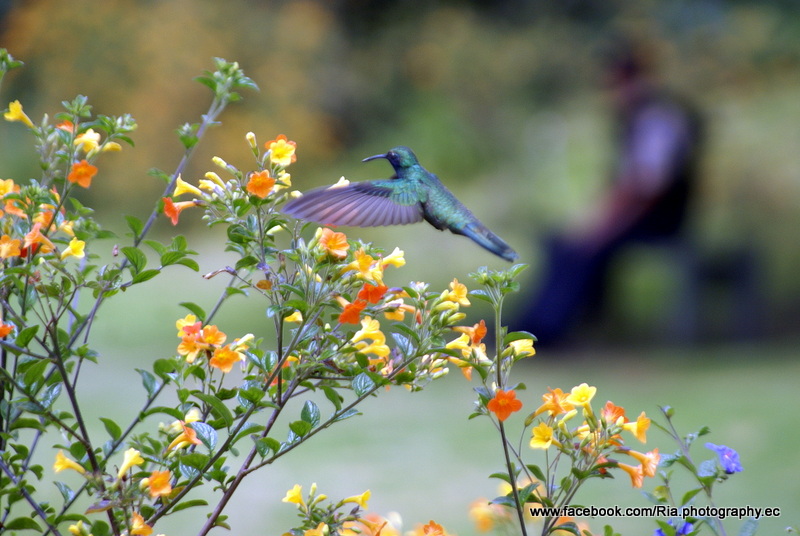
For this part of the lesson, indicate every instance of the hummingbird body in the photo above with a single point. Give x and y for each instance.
(411, 195)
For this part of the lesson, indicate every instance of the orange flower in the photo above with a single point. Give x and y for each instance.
(476, 333)
(35, 238)
(555, 401)
(612, 413)
(139, 527)
(333, 243)
(504, 404)
(224, 358)
(187, 437)
(172, 210)
(260, 183)
(352, 312)
(372, 293)
(5, 329)
(636, 474)
(431, 529)
(212, 335)
(82, 173)
(9, 247)
(159, 483)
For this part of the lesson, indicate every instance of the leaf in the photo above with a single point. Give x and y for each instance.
(66, 492)
(22, 523)
(310, 413)
(206, 434)
(218, 408)
(195, 309)
(189, 263)
(49, 395)
(352, 412)
(689, 495)
(266, 444)
(363, 384)
(749, 527)
(145, 275)
(518, 335)
(149, 381)
(189, 504)
(171, 257)
(135, 256)
(26, 335)
(135, 225)
(112, 428)
(333, 396)
(300, 428)
(537, 472)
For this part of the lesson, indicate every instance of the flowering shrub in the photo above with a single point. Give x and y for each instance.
(340, 328)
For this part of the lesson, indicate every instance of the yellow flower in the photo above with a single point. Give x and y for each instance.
(9, 247)
(213, 179)
(15, 113)
(638, 427)
(366, 267)
(62, 462)
(542, 437)
(458, 293)
(360, 500)
(281, 151)
(183, 187)
(555, 402)
(132, 458)
(139, 527)
(321, 530)
(225, 357)
(111, 146)
(523, 347)
(74, 249)
(296, 317)
(159, 483)
(581, 395)
(396, 258)
(88, 141)
(181, 323)
(295, 496)
(79, 530)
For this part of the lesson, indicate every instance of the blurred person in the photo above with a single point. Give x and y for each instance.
(658, 141)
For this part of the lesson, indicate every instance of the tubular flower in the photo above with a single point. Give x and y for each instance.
(187, 437)
(476, 333)
(295, 317)
(638, 427)
(542, 437)
(555, 402)
(366, 267)
(321, 530)
(458, 293)
(431, 529)
(139, 527)
(281, 151)
(613, 414)
(9, 247)
(5, 329)
(360, 500)
(295, 496)
(15, 113)
(172, 210)
(396, 258)
(523, 347)
(188, 324)
(504, 404)
(372, 293)
(582, 395)
(371, 329)
(62, 462)
(728, 458)
(333, 243)
(183, 187)
(82, 173)
(35, 238)
(260, 184)
(352, 312)
(132, 458)
(74, 249)
(158, 483)
(636, 474)
(88, 141)
(224, 358)
(648, 460)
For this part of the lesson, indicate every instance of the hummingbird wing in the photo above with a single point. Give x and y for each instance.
(359, 204)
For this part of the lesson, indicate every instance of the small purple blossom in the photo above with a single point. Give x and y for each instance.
(682, 530)
(728, 458)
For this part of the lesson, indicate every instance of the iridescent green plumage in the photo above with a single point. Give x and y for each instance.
(411, 195)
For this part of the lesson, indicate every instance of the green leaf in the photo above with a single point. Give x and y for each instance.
(300, 428)
(189, 504)
(689, 495)
(66, 492)
(518, 335)
(363, 384)
(266, 444)
(149, 381)
(189, 263)
(171, 257)
(537, 472)
(26, 335)
(195, 309)
(218, 408)
(310, 413)
(135, 225)
(145, 275)
(135, 256)
(50, 394)
(333, 396)
(749, 527)
(206, 434)
(112, 428)
(22, 523)
(352, 412)
(501, 476)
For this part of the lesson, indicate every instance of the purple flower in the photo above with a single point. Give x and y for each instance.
(728, 458)
(683, 529)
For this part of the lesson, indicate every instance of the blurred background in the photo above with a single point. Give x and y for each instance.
(509, 103)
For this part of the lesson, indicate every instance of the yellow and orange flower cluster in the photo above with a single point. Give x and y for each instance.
(209, 341)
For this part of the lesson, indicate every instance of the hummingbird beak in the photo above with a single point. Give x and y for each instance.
(367, 159)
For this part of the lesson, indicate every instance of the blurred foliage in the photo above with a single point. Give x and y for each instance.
(507, 94)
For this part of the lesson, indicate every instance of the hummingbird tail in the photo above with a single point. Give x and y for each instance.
(487, 239)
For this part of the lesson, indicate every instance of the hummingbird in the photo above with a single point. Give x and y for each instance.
(411, 195)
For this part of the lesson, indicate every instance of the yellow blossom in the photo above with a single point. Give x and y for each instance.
(582, 395)
(159, 483)
(295, 496)
(183, 187)
(225, 357)
(213, 178)
(523, 347)
(181, 323)
(9, 247)
(542, 437)
(88, 141)
(15, 113)
(139, 527)
(295, 317)
(396, 258)
(78, 529)
(458, 293)
(111, 146)
(74, 249)
(281, 151)
(360, 500)
(366, 267)
(132, 458)
(62, 462)
(321, 530)
(638, 427)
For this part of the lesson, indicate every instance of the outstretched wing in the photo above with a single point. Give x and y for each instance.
(359, 204)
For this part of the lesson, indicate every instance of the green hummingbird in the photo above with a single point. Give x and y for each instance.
(411, 195)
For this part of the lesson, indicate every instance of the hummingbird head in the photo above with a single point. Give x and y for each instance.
(400, 157)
